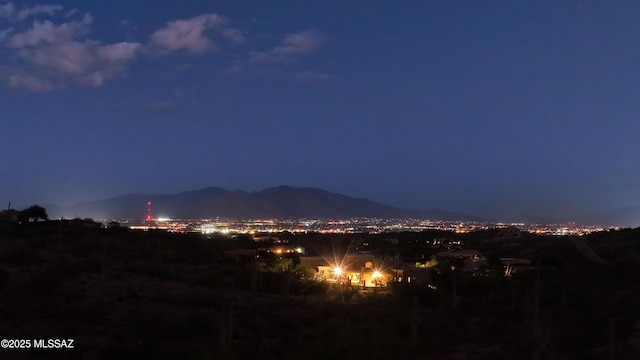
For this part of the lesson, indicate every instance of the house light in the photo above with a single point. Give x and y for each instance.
(377, 274)
(337, 270)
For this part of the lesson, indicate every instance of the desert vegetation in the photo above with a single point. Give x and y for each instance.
(153, 294)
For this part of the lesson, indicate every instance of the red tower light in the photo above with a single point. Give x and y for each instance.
(149, 217)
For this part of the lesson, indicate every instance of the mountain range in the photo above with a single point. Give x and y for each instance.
(276, 202)
(298, 202)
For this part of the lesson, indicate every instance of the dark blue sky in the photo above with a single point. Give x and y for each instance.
(493, 108)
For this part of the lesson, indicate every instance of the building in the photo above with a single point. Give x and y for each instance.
(356, 270)
(410, 274)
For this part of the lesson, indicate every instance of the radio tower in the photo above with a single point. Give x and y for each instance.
(149, 217)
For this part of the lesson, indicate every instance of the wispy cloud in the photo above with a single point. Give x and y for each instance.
(10, 11)
(30, 83)
(277, 61)
(70, 13)
(5, 33)
(191, 34)
(38, 10)
(292, 45)
(234, 35)
(43, 33)
(7, 10)
(117, 53)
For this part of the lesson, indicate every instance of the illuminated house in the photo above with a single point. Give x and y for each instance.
(356, 270)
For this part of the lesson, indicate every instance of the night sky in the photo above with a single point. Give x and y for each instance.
(492, 108)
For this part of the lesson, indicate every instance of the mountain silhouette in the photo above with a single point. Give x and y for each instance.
(277, 202)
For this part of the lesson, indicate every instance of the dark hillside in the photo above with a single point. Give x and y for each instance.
(123, 293)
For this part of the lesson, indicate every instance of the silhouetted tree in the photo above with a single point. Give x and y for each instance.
(33, 212)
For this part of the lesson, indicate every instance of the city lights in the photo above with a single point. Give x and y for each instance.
(265, 227)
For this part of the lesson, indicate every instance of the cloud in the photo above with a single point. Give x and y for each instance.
(234, 35)
(118, 53)
(71, 57)
(56, 54)
(5, 33)
(64, 58)
(48, 33)
(292, 45)
(277, 60)
(83, 59)
(37, 10)
(7, 10)
(71, 12)
(188, 34)
(47, 55)
(30, 83)
(95, 79)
